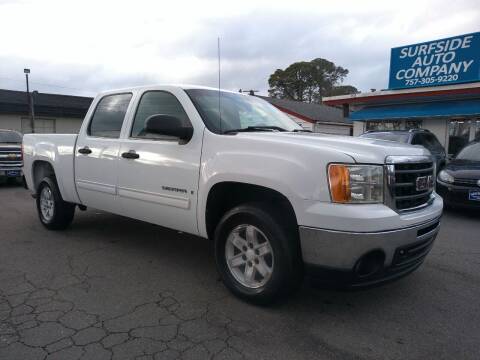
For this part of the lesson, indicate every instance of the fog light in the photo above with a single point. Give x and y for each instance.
(370, 264)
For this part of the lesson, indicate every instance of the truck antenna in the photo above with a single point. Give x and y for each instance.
(219, 78)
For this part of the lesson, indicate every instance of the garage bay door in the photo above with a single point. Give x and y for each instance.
(332, 129)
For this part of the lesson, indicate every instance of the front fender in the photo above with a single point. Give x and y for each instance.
(298, 173)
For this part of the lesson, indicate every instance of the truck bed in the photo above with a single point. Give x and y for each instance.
(57, 150)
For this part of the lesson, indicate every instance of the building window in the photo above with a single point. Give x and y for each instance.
(458, 135)
(413, 124)
(477, 130)
(384, 125)
(42, 125)
(394, 125)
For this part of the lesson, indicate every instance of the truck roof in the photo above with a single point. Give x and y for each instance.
(171, 86)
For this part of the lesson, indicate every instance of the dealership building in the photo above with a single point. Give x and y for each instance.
(53, 113)
(433, 85)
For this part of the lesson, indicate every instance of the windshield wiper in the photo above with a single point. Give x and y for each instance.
(254, 128)
(301, 130)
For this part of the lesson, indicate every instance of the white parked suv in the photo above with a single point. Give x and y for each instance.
(275, 199)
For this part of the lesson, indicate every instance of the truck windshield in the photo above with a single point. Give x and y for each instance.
(11, 137)
(390, 136)
(239, 112)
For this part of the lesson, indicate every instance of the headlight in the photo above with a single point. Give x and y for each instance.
(445, 177)
(356, 183)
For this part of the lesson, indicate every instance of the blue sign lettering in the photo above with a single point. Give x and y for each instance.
(440, 62)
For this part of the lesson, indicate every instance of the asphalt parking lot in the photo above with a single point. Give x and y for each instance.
(111, 287)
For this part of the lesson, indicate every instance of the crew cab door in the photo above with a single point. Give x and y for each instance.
(158, 174)
(96, 153)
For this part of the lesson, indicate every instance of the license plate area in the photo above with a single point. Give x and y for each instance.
(474, 195)
(12, 173)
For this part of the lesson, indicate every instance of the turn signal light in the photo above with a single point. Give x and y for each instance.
(339, 179)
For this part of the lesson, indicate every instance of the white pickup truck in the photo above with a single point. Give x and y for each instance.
(277, 201)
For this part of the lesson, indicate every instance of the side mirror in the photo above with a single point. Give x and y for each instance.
(168, 125)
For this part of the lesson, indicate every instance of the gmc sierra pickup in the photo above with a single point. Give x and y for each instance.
(277, 200)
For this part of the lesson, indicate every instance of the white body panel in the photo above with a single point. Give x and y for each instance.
(57, 150)
(161, 186)
(96, 173)
(169, 183)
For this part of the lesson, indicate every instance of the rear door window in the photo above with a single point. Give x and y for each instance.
(108, 117)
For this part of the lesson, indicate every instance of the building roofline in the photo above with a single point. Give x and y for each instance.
(307, 119)
(469, 88)
(293, 113)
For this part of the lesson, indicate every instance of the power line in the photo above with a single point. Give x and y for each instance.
(42, 84)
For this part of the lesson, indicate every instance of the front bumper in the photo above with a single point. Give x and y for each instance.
(5, 172)
(334, 257)
(457, 195)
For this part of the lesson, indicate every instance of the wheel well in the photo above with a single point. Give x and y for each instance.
(41, 169)
(226, 195)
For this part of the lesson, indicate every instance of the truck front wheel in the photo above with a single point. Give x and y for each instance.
(54, 213)
(257, 254)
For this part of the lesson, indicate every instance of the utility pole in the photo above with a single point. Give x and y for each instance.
(29, 101)
(32, 102)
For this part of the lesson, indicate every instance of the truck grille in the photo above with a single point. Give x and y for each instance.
(411, 182)
(10, 157)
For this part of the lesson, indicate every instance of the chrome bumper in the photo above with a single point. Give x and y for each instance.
(341, 250)
(3, 171)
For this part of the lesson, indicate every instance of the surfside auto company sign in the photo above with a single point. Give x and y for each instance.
(440, 62)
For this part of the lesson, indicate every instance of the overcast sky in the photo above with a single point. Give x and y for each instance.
(83, 46)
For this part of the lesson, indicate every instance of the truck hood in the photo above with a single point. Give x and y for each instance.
(362, 150)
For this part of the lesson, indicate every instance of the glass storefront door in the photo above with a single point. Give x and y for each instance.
(458, 135)
(477, 130)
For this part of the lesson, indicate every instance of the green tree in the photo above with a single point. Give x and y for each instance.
(309, 81)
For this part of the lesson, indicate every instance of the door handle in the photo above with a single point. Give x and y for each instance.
(85, 150)
(130, 155)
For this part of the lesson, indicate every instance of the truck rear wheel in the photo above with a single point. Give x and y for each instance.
(256, 254)
(53, 211)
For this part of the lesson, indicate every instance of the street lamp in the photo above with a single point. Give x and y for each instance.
(29, 101)
(32, 109)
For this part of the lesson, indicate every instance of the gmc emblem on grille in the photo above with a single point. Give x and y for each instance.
(424, 183)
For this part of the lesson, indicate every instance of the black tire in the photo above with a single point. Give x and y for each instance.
(287, 273)
(63, 211)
